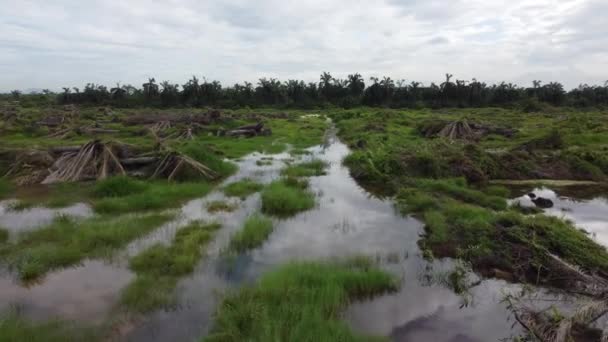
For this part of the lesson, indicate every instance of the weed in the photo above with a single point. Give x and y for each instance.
(242, 188)
(255, 231)
(312, 168)
(118, 186)
(5, 187)
(281, 199)
(215, 206)
(158, 195)
(67, 241)
(4, 235)
(297, 302)
(159, 267)
(13, 328)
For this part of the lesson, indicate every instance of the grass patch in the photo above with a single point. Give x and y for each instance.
(281, 199)
(66, 241)
(457, 189)
(200, 152)
(157, 195)
(298, 302)
(159, 267)
(299, 152)
(5, 187)
(215, 206)
(14, 328)
(256, 230)
(118, 186)
(3, 235)
(312, 168)
(242, 188)
(263, 162)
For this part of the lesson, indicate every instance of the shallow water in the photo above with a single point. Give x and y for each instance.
(347, 221)
(585, 207)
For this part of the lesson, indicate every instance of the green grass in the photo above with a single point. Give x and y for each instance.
(215, 206)
(200, 152)
(457, 189)
(3, 235)
(14, 328)
(312, 168)
(255, 231)
(157, 195)
(242, 188)
(66, 241)
(5, 187)
(281, 199)
(263, 162)
(118, 186)
(159, 268)
(298, 302)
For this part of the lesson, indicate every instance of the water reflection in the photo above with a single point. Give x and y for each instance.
(587, 212)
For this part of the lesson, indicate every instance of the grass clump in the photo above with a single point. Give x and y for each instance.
(256, 230)
(5, 187)
(159, 267)
(14, 328)
(157, 195)
(457, 189)
(298, 302)
(118, 186)
(242, 188)
(312, 168)
(215, 206)
(67, 241)
(281, 198)
(3, 235)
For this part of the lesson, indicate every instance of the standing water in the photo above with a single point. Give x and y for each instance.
(347, 221)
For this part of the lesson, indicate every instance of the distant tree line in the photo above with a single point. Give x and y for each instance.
(350, 92)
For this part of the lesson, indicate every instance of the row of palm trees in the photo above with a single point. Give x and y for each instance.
(349, 92)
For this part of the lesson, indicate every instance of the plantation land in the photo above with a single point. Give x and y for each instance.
(449, 168)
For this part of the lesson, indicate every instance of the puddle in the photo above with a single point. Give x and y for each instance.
(21, 220)
(82, 293)
(584, 206)
(347, 221)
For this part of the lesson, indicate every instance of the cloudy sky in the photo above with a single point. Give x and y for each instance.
(55, 43)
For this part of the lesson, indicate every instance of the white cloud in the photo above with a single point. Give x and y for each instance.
(52, 43)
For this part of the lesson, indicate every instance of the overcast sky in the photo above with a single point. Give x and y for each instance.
(55, 43)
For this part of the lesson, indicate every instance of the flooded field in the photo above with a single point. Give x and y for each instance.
(347, 221)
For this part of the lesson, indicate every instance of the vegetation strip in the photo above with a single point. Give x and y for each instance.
(298, 302)
(159, 267)
(14, 327)
(306, 169)
(285, 198)
(255, 231)
(67, 241)
(242, 188)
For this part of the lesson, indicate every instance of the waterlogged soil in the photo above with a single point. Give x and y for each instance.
(347, 221)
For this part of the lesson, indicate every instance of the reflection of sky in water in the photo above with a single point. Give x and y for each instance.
(590, 215)
(347, 221)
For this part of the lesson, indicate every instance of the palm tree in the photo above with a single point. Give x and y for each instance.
(356, 85)
(118, 92)
(536, 84)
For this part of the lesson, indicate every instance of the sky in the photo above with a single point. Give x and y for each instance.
(56, 43)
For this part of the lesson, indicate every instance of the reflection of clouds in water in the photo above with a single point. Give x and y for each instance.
(26, 219)
(590, 215)
(84, 292)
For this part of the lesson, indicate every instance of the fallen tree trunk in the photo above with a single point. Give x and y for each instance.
(138, 161)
